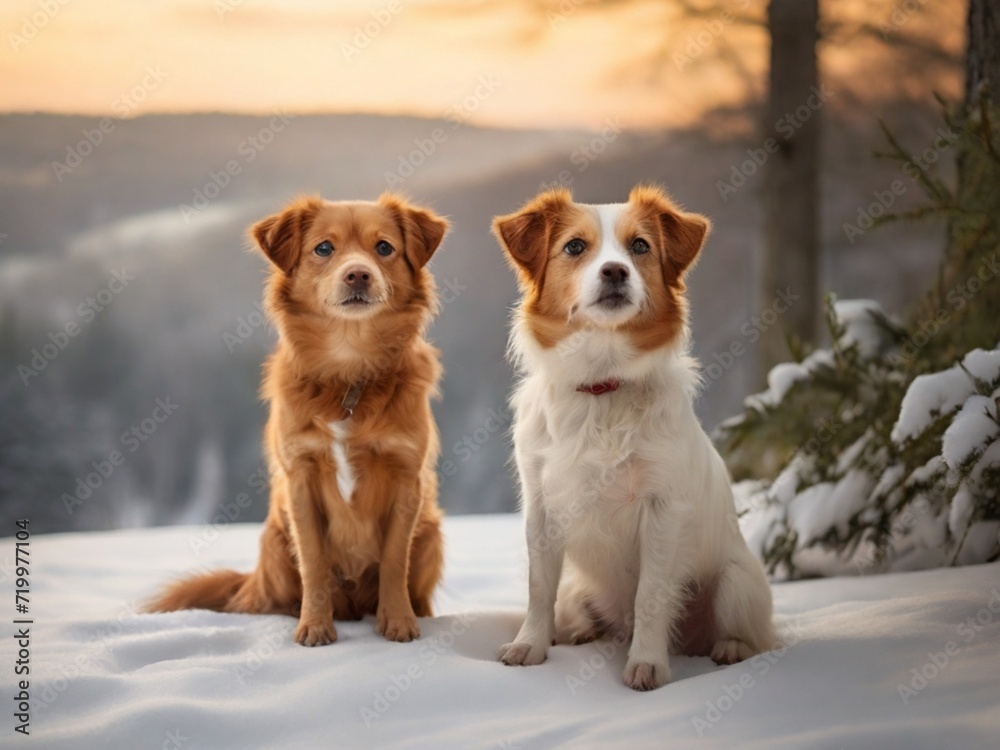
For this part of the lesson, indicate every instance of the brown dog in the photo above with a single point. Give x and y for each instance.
(353, 526)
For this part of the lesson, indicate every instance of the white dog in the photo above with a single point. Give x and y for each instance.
(630, 520)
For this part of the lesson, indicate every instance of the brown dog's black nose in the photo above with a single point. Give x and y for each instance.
(357, 279)
(614, 273)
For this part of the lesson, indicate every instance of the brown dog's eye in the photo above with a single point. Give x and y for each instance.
(384, 249)
(324, 249)
(574, 247)
(640, 246)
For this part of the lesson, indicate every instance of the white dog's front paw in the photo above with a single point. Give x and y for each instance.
(731, 651)
(645, 675)
(522, 654)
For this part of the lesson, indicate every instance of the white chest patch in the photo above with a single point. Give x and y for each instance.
(345, 473)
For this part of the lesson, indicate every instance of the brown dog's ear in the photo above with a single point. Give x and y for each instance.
(683, 234)
(423, 230)
(280, 236)
(526, 234)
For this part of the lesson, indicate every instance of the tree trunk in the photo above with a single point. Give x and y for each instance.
(790, 258)
(982, 55)
(974, 230)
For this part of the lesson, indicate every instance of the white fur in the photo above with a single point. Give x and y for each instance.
(345, 472)
(626, 503)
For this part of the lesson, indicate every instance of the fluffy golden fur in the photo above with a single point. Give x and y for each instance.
(353, 526)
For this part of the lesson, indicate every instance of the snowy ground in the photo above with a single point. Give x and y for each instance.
(908, 660)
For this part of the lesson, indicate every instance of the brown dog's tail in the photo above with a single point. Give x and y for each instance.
(215, 590)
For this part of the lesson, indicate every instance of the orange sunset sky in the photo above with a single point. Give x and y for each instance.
(557, 64)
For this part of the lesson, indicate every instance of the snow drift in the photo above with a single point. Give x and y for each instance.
(902, 660)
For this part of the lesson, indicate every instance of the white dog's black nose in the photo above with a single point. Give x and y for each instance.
(614, 273)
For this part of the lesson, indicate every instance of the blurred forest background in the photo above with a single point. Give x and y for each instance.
(136, 148)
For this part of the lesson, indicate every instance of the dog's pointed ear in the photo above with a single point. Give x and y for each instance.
(526, 234)
(423, 230)
(280, 236)
(682, 234)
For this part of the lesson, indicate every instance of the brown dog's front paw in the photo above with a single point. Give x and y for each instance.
(315, 633)
(397, 628)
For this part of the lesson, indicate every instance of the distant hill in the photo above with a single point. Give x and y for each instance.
(163, 335)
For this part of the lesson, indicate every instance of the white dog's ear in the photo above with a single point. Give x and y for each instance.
(526, 234)
(686, 234)
(683, 234)
(280, 236)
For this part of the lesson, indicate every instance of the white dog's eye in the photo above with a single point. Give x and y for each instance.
(384, 249)
(640, 246)
(324, 249)
(575, 247)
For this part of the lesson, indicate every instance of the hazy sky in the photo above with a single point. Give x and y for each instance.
(502, 62)
(571, 67)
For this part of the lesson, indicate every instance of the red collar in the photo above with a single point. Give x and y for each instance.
(596, 389)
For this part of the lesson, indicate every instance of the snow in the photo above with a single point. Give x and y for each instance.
(983, 364)
(809, 513)
(858, 317)
(930, 396)
(906, 660)
(943, 392)
(783, 376)
(972, 429)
